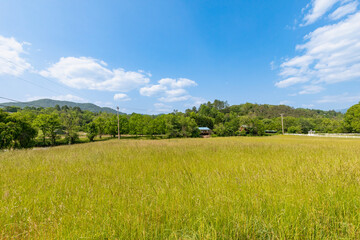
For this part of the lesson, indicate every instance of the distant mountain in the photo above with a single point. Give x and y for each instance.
(52, 103)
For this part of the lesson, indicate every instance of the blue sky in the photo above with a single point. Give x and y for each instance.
(156, 56)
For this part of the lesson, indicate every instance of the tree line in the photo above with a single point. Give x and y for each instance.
(31, 126)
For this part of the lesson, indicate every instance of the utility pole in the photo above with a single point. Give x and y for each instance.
(118, 122)
(282, 123)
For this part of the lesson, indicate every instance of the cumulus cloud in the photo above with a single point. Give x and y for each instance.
(169, 89)
(89, 73)
(331, 54)
(67, 97)
(122, 97)
(152, 90)
(179, 83)
(11, 60)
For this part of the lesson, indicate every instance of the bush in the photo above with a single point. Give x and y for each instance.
(72, 138)
(242, 133)
(294, 129)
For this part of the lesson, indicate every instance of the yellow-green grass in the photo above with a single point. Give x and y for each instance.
(220, 188)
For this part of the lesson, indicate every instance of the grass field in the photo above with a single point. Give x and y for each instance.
(220, 188)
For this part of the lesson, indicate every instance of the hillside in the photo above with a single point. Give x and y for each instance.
(45, 103)
(273, 111)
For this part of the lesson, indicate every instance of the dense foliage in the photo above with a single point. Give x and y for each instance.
(352, 118)
(54, 125)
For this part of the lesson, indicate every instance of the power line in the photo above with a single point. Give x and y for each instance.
(13, 100)
(41, 77)
(48, 89)
(30, 82)
(17, 101)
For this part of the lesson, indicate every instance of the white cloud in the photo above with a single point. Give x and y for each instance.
(290, 81)
(174, 98)
(197, 101)
(344, 10)
(175, 92)
(67, 97)
(152, 90)
(331, 54)
(343, 98)
(161, 107)
(311, 89)
(122, 97)
(11, 62)
(104, 104)
(272, 65)
(179, 83)
(169, 89)
(89, 73)
(318, 9)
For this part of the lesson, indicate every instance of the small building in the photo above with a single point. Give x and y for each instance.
(205, 131)
(244, 128)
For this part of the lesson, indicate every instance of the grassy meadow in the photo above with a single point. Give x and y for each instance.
(281, 187)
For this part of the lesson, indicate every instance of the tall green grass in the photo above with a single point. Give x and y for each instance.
(221, 188)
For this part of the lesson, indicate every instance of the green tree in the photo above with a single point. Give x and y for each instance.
(15, 131)
(91, 131)
(53, 127)
(70, 122)
(220, 130)
(49, 125)
(41, 122)
(136, 124)
(101, 125)
(112, 125)
(352, 119)
(294, 129)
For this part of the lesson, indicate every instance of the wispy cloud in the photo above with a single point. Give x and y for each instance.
(331, 54)
(311, 89)
(11, 60)
(343, 98)
(163, 108)
(317, 9)
(344, 10)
